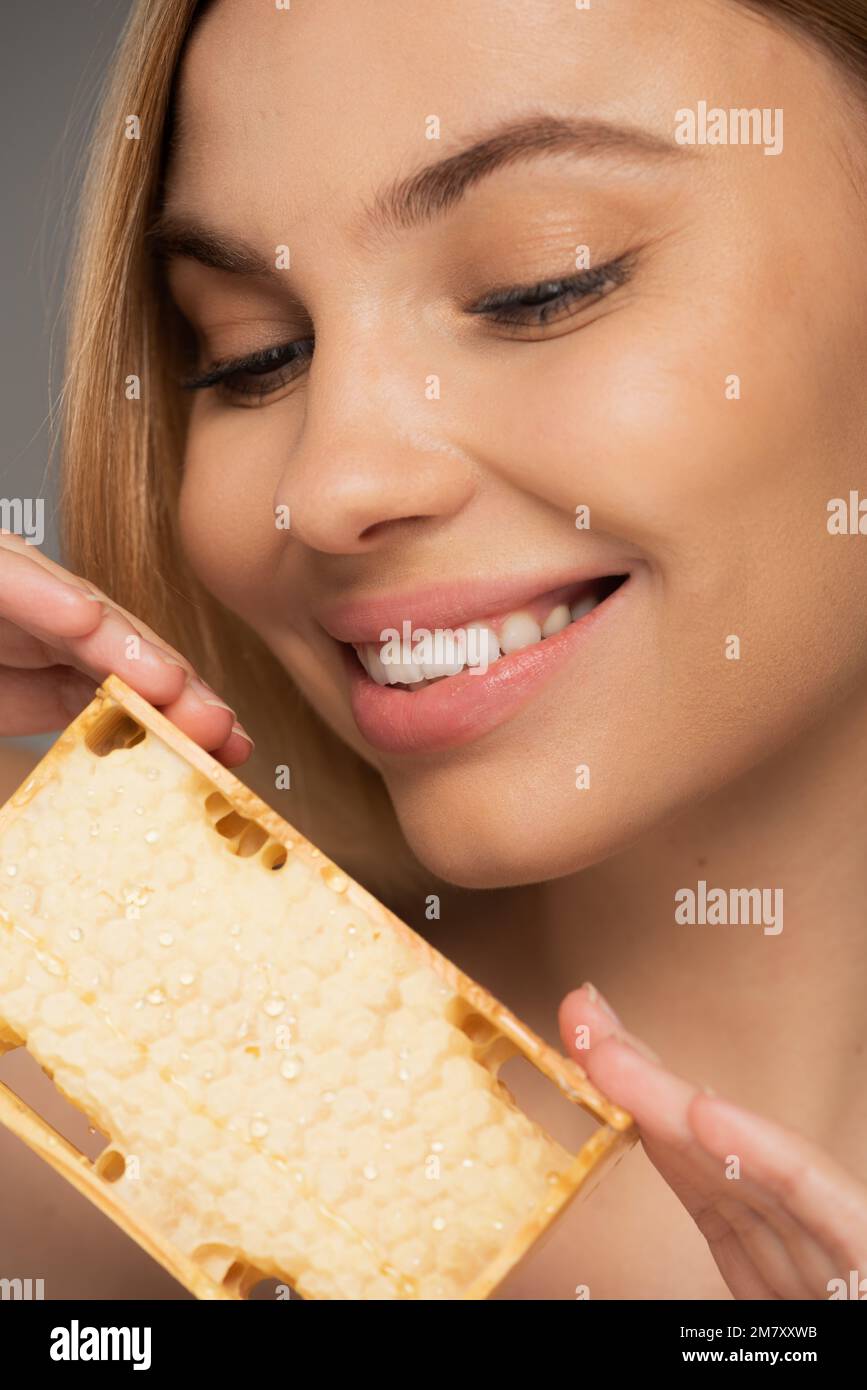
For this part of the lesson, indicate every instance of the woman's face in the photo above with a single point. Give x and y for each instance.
(697, 393)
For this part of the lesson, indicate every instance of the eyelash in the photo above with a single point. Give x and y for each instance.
(539, 304)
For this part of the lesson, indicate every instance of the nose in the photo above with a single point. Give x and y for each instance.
(375, 452)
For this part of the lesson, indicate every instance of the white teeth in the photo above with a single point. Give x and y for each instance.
(403, 673)
(485, 648)
(518, 631)
(583, 607)
(372, 664)
(556, 620)
(433, 669)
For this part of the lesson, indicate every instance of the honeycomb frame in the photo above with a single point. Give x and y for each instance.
(116, 718)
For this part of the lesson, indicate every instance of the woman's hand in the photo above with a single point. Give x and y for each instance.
(789, 1224)
(60, 636)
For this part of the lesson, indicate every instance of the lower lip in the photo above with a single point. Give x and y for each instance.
(459, 709)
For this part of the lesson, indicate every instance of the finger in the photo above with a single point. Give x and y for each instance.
(115, 646)
(21, 648)
(33, 571)
(790, 1249)
(138, 625)
(37, 600)
(726, 1208)
(737, 1266)
(134, 626)
(237, 748)
(813, 1260)
(586, 1018)
(810, 1186)
(46, 621)
(657, 1099)
(202, 716)
(38, 702)
(660, 1103)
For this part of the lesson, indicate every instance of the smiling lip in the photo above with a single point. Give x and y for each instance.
(459, 709)
(442, 605)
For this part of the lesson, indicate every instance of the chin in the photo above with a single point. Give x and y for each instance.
(504, 841)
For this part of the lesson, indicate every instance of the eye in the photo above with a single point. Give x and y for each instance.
(257, 375)
(549, 301)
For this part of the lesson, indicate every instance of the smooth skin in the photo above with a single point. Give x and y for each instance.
(740, 772)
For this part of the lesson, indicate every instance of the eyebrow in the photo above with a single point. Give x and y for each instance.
(419, 198)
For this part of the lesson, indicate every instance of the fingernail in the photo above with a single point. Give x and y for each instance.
(206, 695)
(172, 661)
(597, 998)
(236, 729)
(638, 1046)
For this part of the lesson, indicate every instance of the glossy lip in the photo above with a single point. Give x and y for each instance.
(445, 605)
(459, 709)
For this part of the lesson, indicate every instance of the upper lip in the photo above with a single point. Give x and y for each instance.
(433, 606)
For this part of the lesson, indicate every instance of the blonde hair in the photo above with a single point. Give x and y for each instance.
(122, 459)
(121, 470)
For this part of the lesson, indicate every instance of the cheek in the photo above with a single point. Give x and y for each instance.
(232, 475)
(726, 495)
(226, 514)
(712, 445)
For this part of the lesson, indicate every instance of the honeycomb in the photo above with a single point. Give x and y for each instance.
(293, 1084)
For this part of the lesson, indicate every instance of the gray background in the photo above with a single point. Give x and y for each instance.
(54, 59)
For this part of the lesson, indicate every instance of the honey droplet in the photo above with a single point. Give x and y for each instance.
(52, 964)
